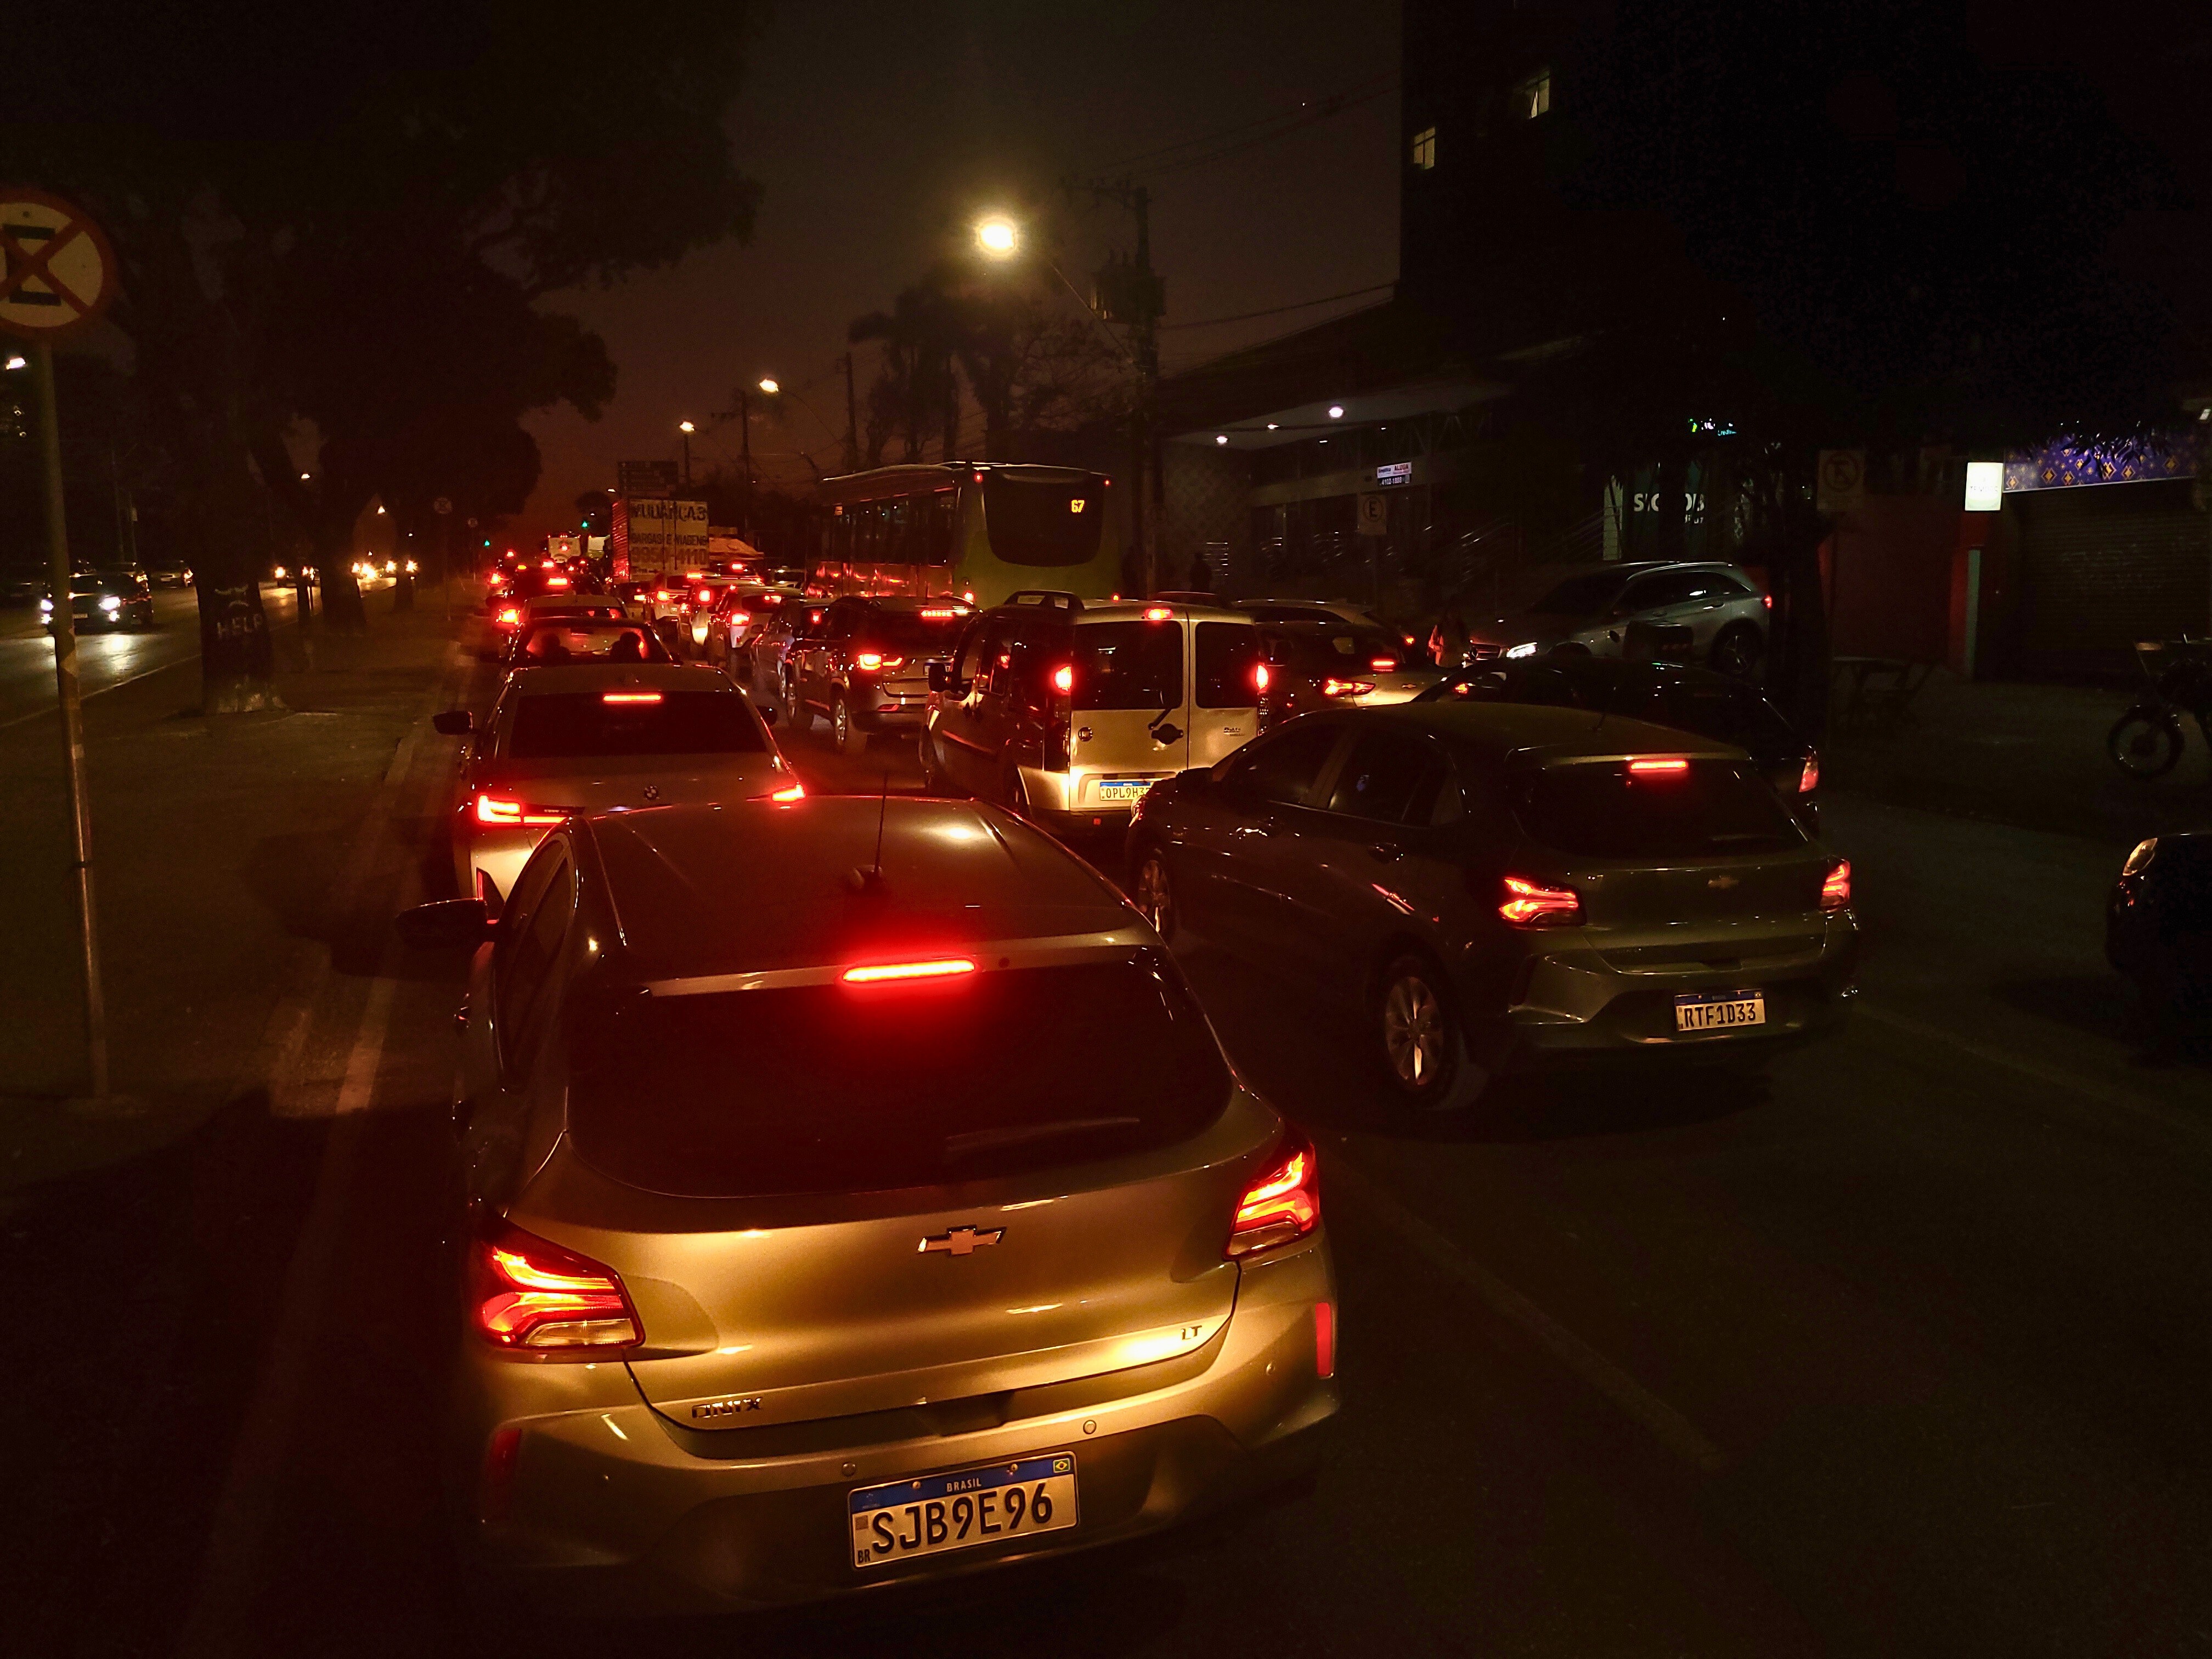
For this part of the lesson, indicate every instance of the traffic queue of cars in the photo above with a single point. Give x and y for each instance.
(793, 1263)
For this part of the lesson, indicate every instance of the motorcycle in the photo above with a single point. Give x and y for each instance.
(2146, 741)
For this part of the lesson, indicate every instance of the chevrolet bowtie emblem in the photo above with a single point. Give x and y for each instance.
(960, 1240)
(653, 791)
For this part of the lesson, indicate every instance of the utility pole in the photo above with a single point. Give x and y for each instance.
(1131, 293)
(745, 443)
(852, 420)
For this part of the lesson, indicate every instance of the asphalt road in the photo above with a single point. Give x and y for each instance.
(1903, 1349)
(103, 659)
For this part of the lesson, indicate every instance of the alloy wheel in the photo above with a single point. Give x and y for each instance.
(1414, 1031)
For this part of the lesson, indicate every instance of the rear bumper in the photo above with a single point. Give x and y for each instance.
(611, 1509)
(1571, 1015)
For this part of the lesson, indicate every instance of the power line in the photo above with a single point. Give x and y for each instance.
(1272, 311)
(1246, 134)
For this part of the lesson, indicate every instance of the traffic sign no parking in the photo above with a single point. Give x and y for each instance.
(57, 271)
(1840, 484)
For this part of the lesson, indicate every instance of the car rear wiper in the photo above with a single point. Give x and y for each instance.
(981, 1141)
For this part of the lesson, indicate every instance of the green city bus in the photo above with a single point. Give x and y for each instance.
(975, 531)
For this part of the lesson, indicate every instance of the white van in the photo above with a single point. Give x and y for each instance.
(1067, 710)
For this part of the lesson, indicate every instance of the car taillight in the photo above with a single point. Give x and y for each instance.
(1381, 664)
(1658, 768)
(706, 595)
(556, 581)
(739, 619)
(1063, 678)
(789, 793)
(662, 595)
(1159, 613)
(1767, 599)
(534, 1295)
(870, 661)
(1336, 687)
(1809, 779)
(511, 617)
(1261, 677)
(1282, 1205)
(630, 696)
(1324, 1339)
(1836, 891)
(1532, 904)
(514, 814)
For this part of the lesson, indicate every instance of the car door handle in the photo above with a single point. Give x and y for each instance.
(1385, 852)
(1258, 827)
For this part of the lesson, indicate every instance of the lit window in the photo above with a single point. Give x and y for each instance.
(1532, 97)
(1425, 148)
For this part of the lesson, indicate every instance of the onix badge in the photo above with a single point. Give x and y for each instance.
(960, 1240)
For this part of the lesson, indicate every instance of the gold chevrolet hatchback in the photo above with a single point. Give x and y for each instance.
(856, 1194)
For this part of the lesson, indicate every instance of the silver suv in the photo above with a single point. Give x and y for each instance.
(796, 1265)
(1590, 610)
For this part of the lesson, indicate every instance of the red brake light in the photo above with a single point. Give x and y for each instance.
(532, 1294)
(514, 814)
(1261, 677)
(1532, 904)
(510, 616)
(706, 595)
(878, 972)
(1836, 891)
(1658, 768)
(795, 791)
(630, 696)
(1767, 599)
(1063, 678)
(1282, 1205)
(869, 661)
(1809, 779)
(1336, 687)
(943, 612)
(1383, 664)
(1324, 1339)
(556, 581)
(663, 595)
(739, 618)
(1159, 613)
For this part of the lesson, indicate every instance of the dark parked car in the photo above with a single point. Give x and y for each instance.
(866, 667)
(1499, 886)
(2158, 923)
(1671, 695)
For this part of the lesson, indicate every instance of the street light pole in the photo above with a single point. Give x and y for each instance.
(685, 428)
(745, 443)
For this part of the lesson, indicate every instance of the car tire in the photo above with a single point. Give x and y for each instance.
(1013, 793)
(1417, 1040)
(1151, 889)
(844, 731)
(1738, 652)
(935, 779)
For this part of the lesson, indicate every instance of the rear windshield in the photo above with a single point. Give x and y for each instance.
(588, 641)
(1129, 665)
(1230, 657)
(910, 631)
(567, 725)
(1581, 596)
(1321, 650)
(834, 1089)
(1043, 524)
(1599, 809)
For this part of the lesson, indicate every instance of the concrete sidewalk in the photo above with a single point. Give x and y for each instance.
(2033, 755)
(217, 846)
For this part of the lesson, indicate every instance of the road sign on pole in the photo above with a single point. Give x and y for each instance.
(1374, 514)
(57, 273)
(1839, 486)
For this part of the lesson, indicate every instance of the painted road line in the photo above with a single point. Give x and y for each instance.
(1667, 1425)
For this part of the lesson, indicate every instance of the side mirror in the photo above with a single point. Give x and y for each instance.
(448, 925)
(454, 722)
(940, 677)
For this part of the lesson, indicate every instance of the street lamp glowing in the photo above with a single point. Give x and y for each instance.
(770, 386)
(686, 427)
(997, 236)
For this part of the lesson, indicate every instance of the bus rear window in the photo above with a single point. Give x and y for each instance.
(822, 1088)
(1601, 810)
(570, 725)
(1043, 524)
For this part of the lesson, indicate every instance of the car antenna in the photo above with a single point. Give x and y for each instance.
(870, 880)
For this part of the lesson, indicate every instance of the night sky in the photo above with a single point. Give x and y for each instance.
(877, 130)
